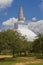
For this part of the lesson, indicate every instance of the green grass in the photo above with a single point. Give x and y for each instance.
(12, 61)
(18, 59)
(5, 63)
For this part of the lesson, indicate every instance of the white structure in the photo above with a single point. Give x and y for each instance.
(22, 27)
(20, 15)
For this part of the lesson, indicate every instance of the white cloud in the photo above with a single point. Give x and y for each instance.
(10, 22)
(5, 3)
(37, 27)
(34, 19)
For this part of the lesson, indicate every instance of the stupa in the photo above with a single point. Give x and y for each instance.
(22, 26)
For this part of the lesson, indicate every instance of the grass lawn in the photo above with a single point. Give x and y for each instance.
(20, 61)
(5, 63)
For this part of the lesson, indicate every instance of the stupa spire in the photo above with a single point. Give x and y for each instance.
(21, 15)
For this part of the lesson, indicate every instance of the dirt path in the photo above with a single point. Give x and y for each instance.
(24, 63)
(20, 64)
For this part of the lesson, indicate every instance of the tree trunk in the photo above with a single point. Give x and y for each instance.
(25, 53)
(13, 53)
(0, 52)
(20, 53)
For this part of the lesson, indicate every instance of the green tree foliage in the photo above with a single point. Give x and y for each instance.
(13, 41)
(38, 44)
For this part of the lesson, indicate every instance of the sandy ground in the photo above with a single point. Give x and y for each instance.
(28, 60)
(3, 56)
(24, 63)
(20, 64)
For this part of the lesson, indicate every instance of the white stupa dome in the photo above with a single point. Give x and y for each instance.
(21, 21)
(27, 33)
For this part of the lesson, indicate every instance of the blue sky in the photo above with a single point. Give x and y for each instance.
(31, 8)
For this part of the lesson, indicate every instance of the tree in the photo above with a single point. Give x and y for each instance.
(38, 44)
(12, 41)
